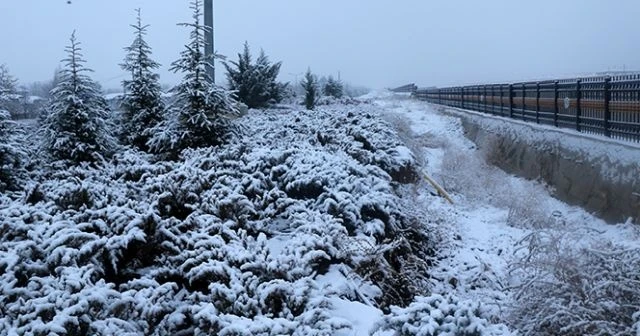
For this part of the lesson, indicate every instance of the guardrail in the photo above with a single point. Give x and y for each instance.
(409, 88)
(603, 105)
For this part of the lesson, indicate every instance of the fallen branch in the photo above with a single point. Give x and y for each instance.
(440, 190)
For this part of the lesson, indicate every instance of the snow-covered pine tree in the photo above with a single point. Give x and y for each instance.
(8, 84)
(142, 104)
(273, 91)
(8, 90)
(333, 88)
(76, 124)
(9, 152)
(199, 116)
(310, 86)
(241, 76)
(256, 84)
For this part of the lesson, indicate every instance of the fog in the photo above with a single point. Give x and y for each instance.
(375, 43)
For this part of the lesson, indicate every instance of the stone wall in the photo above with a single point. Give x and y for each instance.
(598, 174)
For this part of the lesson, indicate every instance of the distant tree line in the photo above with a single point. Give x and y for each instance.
(78, 125)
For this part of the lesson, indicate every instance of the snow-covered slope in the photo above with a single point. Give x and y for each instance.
(538, 264)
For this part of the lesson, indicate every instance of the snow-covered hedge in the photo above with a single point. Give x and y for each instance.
(438, 315)
(227, 241)
(570, 284)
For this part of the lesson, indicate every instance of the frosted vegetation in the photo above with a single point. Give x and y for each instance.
(187, 216)
(538, 265)
(227, 240)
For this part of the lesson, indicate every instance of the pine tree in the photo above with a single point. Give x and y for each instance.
(242, 78)
(310, 86)
(255, 83)
(76, 126)
(272, 91)
(9, 152)
(142, 104)
(200, 113)
(8, 84)
(333, 88)
(8, 90)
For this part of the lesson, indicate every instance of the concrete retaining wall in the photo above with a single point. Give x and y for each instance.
(598, 174)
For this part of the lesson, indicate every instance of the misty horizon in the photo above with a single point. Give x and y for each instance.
(370, 43)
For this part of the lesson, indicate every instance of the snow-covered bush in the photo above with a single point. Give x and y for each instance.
(529, 209)
(76, 126)
(438, 315)
(464, 172)
(571, 285)
(228, 240)
(372, 141)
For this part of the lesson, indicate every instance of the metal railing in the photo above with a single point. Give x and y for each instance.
(603, 105)
(409, 88)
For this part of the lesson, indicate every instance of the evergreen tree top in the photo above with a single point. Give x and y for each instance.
(76, 127)
(192, 60)
(142, 105)
(8, 84)
(255, 83)
(73, 75)
(138, 57)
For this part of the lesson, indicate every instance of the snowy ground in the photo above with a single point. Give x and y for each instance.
(494, 215)
(319, 237)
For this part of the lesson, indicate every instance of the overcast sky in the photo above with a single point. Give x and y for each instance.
(377, 43)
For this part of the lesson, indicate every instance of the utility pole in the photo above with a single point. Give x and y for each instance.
(208, 49)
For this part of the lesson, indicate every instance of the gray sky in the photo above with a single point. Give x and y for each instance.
(377, 43)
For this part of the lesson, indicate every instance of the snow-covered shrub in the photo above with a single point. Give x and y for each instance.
(415, 143)
(572, 285)
(438, 315)
(468, 174)
(529, 210)
(228, 240)
(462, 172)
(373, 142)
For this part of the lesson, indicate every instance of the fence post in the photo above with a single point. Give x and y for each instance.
(486, 99)
(537, 102)
(462, 96)
(607, 111)
(524, 100)
(510, 100)
(555, 103)
(439, 100)
(501, 100)
(493, 105)
(578, 105)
